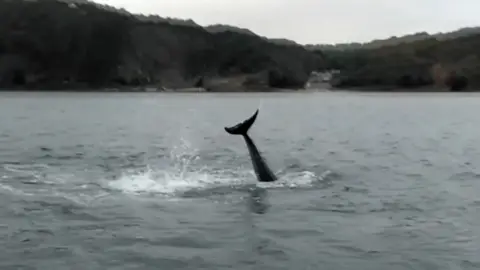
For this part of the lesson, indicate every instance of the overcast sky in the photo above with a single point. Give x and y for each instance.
(318, 21)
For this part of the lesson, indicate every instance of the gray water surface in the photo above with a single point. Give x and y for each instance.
(152, 181)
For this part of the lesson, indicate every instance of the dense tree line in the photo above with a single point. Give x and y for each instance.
(394, 40)
(452, 64)
(50, 44)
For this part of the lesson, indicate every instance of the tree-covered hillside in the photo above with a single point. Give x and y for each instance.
(446, 63)
(51, 44)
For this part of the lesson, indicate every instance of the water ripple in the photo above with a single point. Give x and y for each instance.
(139, 182)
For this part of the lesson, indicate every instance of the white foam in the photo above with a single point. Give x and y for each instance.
(170, 182)
(183, 174)
(296, 179)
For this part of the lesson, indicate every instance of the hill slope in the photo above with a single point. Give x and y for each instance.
(52, 44)
(452, 63)
(378, 43)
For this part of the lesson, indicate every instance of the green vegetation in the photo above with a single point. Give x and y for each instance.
(448, 63)
(378, 43)
(76, 44)
(51, 44)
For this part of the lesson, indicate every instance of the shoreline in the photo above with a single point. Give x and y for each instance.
(152, 90)
(199, 90)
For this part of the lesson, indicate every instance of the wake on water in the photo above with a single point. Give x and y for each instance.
(183, 177)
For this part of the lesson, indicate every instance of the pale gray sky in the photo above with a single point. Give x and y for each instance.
(318, 21)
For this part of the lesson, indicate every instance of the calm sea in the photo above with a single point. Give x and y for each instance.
(152, 181)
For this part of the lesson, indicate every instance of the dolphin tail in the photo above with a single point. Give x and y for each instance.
(243, 127)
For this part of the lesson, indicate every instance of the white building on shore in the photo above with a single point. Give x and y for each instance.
(321, 79)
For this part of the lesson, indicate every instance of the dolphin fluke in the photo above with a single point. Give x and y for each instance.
(243, 127)
(264, 174)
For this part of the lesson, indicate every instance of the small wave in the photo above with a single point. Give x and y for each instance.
(40, 180)
(25, 168)
(15, 191)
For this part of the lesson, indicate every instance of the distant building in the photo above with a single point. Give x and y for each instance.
(321, 79)
(322, 76)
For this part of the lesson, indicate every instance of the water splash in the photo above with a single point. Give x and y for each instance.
(183, 172)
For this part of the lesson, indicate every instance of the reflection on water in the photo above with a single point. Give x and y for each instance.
(257, 200)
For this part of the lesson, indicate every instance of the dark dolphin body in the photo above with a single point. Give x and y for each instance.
(264, 174)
